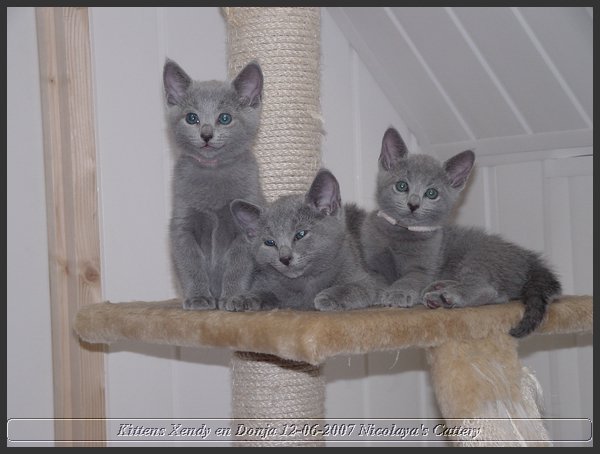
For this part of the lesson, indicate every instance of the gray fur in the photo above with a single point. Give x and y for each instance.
(214, 165)
(321, 270)
(453, 266)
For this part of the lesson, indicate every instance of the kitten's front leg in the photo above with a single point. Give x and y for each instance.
(362, 293)
(336, 298)
(251, 301)
(239, 266)
(449, 293)
(405, 292)
(191, 266)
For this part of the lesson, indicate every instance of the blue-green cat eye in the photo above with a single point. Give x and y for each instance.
(270, 243)
(225, 118)
(431, 193)
(300, 234)
(402, 186)
(192, 118)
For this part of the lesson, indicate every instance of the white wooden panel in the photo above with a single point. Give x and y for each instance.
(520, 204)
(414, 84)
(581, 214)
(29, 353)
(397, 377)
(128, 81)
(470, 210)
(399, 387)
(338, 149)
(520, 67)
(461, 74)
(346, 377)
(195, 38)
(139, 381)
(386, 81)
(202, 383)
(559, 246)
(567, 36)
(531, 147)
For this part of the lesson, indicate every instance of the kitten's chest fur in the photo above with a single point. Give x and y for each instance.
(202, 197)
(411, 251)
(207, 189)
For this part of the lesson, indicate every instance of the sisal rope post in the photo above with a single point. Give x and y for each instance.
(286, 43)
(270, 392)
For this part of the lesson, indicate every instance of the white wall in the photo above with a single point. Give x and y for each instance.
(542, 204)
(29, 349)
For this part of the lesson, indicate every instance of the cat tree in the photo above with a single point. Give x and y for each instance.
(276, 367)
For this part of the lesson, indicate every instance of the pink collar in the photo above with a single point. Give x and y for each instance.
(412, 228)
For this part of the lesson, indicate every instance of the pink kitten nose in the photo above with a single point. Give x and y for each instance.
(285, 260)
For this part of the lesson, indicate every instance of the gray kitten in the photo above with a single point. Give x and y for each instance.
(304, 257)
(213, 125)
(427, 261)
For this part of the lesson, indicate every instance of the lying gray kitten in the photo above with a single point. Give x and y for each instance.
(214, 125)
(426, 261)
(304, 257)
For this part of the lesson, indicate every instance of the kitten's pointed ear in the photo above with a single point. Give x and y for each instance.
(249, 84)
(176, 82)
(393, 149)
(246, 216)
(458, 168)
(324, 193)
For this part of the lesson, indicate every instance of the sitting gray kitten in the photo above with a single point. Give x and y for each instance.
(426, 261)
(304, 257)
(214, 125)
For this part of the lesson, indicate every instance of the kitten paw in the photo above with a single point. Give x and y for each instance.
(325, 301)
(242, 303)
(441, 294)
(399, 298)
(200, 303)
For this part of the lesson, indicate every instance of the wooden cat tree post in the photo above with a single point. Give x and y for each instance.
(276, 369)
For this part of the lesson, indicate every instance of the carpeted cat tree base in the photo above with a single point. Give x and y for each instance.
(475, 369)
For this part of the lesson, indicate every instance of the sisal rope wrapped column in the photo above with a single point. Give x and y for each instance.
(286, 43)
(269, 392)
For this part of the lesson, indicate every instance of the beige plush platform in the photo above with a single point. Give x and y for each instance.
(314, 336)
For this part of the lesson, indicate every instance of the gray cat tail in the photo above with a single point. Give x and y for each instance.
(539, 289)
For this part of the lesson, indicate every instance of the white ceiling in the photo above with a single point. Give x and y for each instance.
(486, 78)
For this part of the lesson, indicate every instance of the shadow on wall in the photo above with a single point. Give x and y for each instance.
(535, 344)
